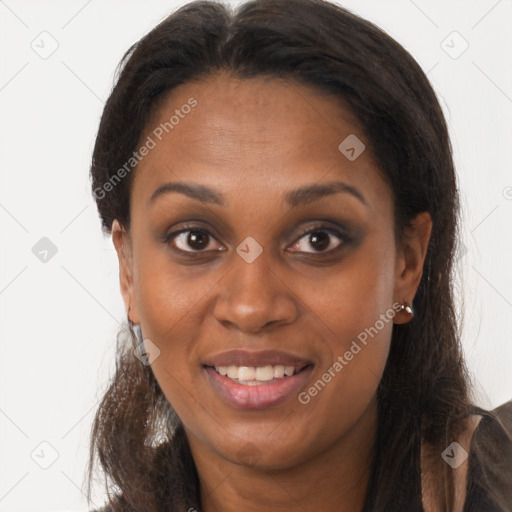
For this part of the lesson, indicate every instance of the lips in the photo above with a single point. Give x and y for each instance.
(262, 358)
(264, 391)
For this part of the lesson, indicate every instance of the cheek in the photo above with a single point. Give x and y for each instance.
(170, 310)
(356, 304)
(167, 293)
(352, 298)
(172, 304)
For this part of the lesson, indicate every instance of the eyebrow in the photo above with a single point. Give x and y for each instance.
(299, 196)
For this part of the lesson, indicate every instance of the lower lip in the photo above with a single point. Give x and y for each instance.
(259, 396)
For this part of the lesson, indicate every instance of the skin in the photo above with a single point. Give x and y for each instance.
(254, 140)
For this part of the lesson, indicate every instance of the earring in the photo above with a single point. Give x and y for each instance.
(135, 331)
(407, 307)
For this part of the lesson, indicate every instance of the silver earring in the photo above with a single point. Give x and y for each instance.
(139, 349)
(136, 332)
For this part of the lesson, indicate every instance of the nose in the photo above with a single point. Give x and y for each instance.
(252, 298)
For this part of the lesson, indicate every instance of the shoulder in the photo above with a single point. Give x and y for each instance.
(481, 462)
(489, 485)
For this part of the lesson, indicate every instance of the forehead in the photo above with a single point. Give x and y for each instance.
(256, 135)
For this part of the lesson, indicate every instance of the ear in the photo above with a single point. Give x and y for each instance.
(122, 244)
(412, 249)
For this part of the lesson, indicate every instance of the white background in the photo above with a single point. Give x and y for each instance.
(58, 319)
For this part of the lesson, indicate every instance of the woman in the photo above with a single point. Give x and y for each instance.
(279, 187)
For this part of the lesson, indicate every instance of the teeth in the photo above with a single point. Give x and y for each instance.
(278, 371)
(246, 373)
(251, 374)
(232, 372)
(263, 373)
(288, 370)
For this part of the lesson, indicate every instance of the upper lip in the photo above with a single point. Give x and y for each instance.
(240, 357)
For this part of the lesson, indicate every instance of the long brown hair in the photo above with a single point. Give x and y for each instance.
(423, 395)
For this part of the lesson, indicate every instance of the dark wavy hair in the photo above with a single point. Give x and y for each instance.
(424, 392)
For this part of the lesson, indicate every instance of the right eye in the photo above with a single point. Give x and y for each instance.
(191, 240)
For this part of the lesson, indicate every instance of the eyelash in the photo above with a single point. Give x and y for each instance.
(343, 237)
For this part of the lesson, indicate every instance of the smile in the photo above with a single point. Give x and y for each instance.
(260, 387)
(257, 375)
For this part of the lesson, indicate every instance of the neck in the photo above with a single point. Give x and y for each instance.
(335, 479)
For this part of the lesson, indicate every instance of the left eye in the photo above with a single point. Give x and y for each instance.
(319, 239)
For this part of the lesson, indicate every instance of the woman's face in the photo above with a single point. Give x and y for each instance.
(273, 252)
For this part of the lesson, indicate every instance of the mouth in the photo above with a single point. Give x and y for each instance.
(257, 380)
(257, 375)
